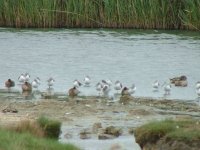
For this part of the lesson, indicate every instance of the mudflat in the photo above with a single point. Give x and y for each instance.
(79, 115)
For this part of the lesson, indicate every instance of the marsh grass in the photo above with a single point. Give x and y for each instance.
(50, 127)
(28, 126)
(24, 141)
(157, 14)
(186, 131)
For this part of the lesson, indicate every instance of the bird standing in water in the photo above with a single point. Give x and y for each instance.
(118, 86)
(132, 89)
(9, 83)
(77, 84)
(167, 88)
(87, 81)
(99, 87)
(125, 91)
(155, 85)
(50, 82)
(73, 92)
(26, 87)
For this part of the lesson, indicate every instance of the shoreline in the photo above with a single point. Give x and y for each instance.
(81, 113)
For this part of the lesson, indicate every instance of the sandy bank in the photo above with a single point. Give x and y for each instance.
(81, 113)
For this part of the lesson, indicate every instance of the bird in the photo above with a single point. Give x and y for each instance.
(108, 82)
(26, 86)
(35, 83)
(106, 89)
(167, 88)
(99, 87)
(118, 86)
(21, 78)
(73, 92)
(27, 77)
(155, 85)
(198, 92)
(50, 82)
(38, 80)
(132, 89)
(76, 83)
(87, 81)
(9, 83)
(197, 85)
(125, 91)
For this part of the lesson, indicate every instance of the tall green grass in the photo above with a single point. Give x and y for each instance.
(10, 140)
(185, 131)
(156, 14)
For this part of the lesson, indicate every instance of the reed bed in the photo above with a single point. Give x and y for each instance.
(147, 14)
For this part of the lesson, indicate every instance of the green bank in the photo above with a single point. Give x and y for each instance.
(146, 14)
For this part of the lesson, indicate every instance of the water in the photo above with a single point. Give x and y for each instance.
(131, 56)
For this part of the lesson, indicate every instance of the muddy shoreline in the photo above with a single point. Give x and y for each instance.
(81, 113)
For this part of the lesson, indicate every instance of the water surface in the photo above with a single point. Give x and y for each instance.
(131, 56)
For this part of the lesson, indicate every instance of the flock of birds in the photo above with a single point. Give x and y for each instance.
(103, 87)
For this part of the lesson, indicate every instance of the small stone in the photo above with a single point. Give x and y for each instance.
(96, 127)
(105, 136)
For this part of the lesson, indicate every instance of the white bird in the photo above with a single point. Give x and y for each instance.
(118, 86)
(21, 78)
(27, 77)
(50, 82)
(106, 89)
(198, 92)
(155, 85)
(35, 83)
(99, 87)
(109, 82)
(87, 81)
(198, 85)
(38, 80)
(132, 89)
(167, 88)
(77, 84)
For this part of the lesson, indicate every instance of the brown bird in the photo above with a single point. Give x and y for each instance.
(26, 86)
(125, 91)
(73, 92)
(9, 83)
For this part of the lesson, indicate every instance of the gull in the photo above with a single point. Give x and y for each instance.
(99, 87)
(167, 88)
(87, 81)
(108, 82)
(27, 77)
(50, 82)
(35, 83)
(76, 83)
(132, 89)
(105, 89)
(38, 80)
(198, 92)
(155, 85)
(118, 85)
(21, 78)
(198, 85)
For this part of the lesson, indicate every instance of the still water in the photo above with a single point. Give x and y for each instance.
(131, 56)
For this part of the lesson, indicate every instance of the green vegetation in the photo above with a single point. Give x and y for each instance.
(184, 131)
(157, 14)
(41, 134)
(24, 141)
(51, 128)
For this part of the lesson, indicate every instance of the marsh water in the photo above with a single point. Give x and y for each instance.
(131, 56)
